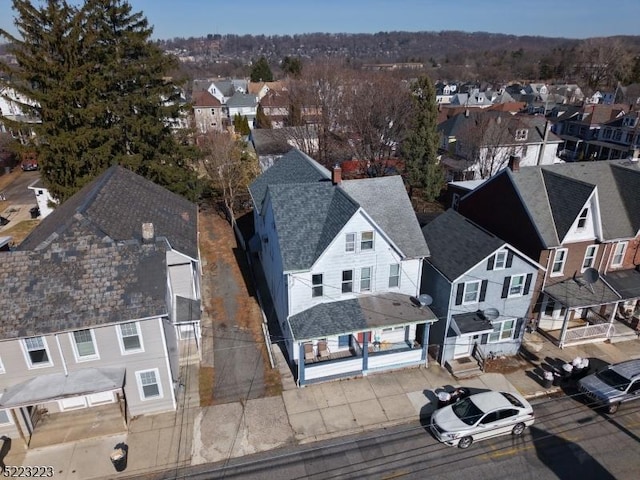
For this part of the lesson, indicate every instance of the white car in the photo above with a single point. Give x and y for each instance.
(480, 416)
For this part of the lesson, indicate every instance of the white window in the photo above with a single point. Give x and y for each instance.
(502, 331)
(521, 134)
(516, 286)
(350, 242)
(2, 370)
(37, 352)
(130, 338)
(558, 262)
(84, 345)
(365, 279)
(618, 254)
(471, 292)
(148, 384)
(316, 285)
(347, 281)
(589, 257)
(501, 260)
(366, 241)
(394, 275)
(582, 219)
(5, 418)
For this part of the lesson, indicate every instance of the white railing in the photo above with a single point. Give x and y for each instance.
(600, 330)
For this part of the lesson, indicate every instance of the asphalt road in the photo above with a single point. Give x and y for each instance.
(17, 192)
(569, 440)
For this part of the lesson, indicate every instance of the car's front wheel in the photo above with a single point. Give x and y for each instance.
(518, 428)
(613, 408)
(465, 442)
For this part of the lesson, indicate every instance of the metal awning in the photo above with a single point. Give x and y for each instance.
(55, 386)
(625, 282)
(472, 323)
(576, 293)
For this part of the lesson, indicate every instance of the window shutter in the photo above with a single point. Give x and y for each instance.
(509, 259)
(459, 293)
(527, 284)
(519, 324)
(484, 338)
(483, 290)
(490, 262)
(505, 287)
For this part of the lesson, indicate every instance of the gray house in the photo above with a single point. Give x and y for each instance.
(97, 303)
(481, 289)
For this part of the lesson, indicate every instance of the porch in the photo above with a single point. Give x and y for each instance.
(62, 427)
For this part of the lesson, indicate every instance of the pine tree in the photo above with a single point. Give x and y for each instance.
(261, 72)
(98, 86)
(420, 148)
(262, 119)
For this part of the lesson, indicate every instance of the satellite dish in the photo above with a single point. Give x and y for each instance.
(425, 300)
(591, 276)
(491, 313)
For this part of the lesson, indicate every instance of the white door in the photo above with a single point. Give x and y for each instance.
(462, 347)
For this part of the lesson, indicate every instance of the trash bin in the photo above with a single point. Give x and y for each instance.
(35, 212)
(548, 378)
(119, 457)
(444, 398)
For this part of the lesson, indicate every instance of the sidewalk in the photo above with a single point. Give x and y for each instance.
(196, 435)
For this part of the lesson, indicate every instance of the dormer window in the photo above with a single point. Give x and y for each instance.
(582, 219)
(521, 134)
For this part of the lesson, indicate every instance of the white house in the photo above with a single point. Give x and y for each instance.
(342, 260)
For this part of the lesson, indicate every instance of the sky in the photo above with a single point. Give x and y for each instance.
(548, 18)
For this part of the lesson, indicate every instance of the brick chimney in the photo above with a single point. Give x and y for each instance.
(514, 163)
(336, 174)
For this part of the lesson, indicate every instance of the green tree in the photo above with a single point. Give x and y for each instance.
(292, 66)
(241, 124)
(262, 120)
(420, 147)
(97, 83)
(260, 72)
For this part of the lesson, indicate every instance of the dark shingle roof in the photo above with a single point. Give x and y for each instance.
(308, 217)
(117, 203)
(294, 167)
(385, 199)
(80, 281)
(457, 244)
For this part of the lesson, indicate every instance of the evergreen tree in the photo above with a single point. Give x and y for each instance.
(260, 72)
(420, 148)
(292, 66)
(97, 84)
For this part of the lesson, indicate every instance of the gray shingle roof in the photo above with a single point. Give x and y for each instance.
(356, 315)
(294, 167)
(117, 203)
(80, 281)
(385, 199)
(239, 100)
(552, 194)
(457, 244)
(308, 217)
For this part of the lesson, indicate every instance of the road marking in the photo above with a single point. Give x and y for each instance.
(395, 475)
(509, 451)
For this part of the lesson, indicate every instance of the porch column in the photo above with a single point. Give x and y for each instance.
(565, 325)
(300, 364)
(365, 351)
(425, 342)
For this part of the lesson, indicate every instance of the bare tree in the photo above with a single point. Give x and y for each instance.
(487, 139)
(603, 61)
(376, 113)
(229, 166)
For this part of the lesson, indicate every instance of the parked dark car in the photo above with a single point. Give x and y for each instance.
(29, 165)
(616, 384)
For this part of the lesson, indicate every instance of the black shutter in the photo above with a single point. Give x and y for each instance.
(490, 262)
(483, 290)
(519, 324)
(509, 259)
(527, 284)
(459, 293)
(505, 287)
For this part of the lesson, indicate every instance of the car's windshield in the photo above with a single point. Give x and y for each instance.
(512, 400)
(467, 411)
(613, 379)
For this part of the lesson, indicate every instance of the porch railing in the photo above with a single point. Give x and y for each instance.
(601, 330)
(595, 318)
(479, 355)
